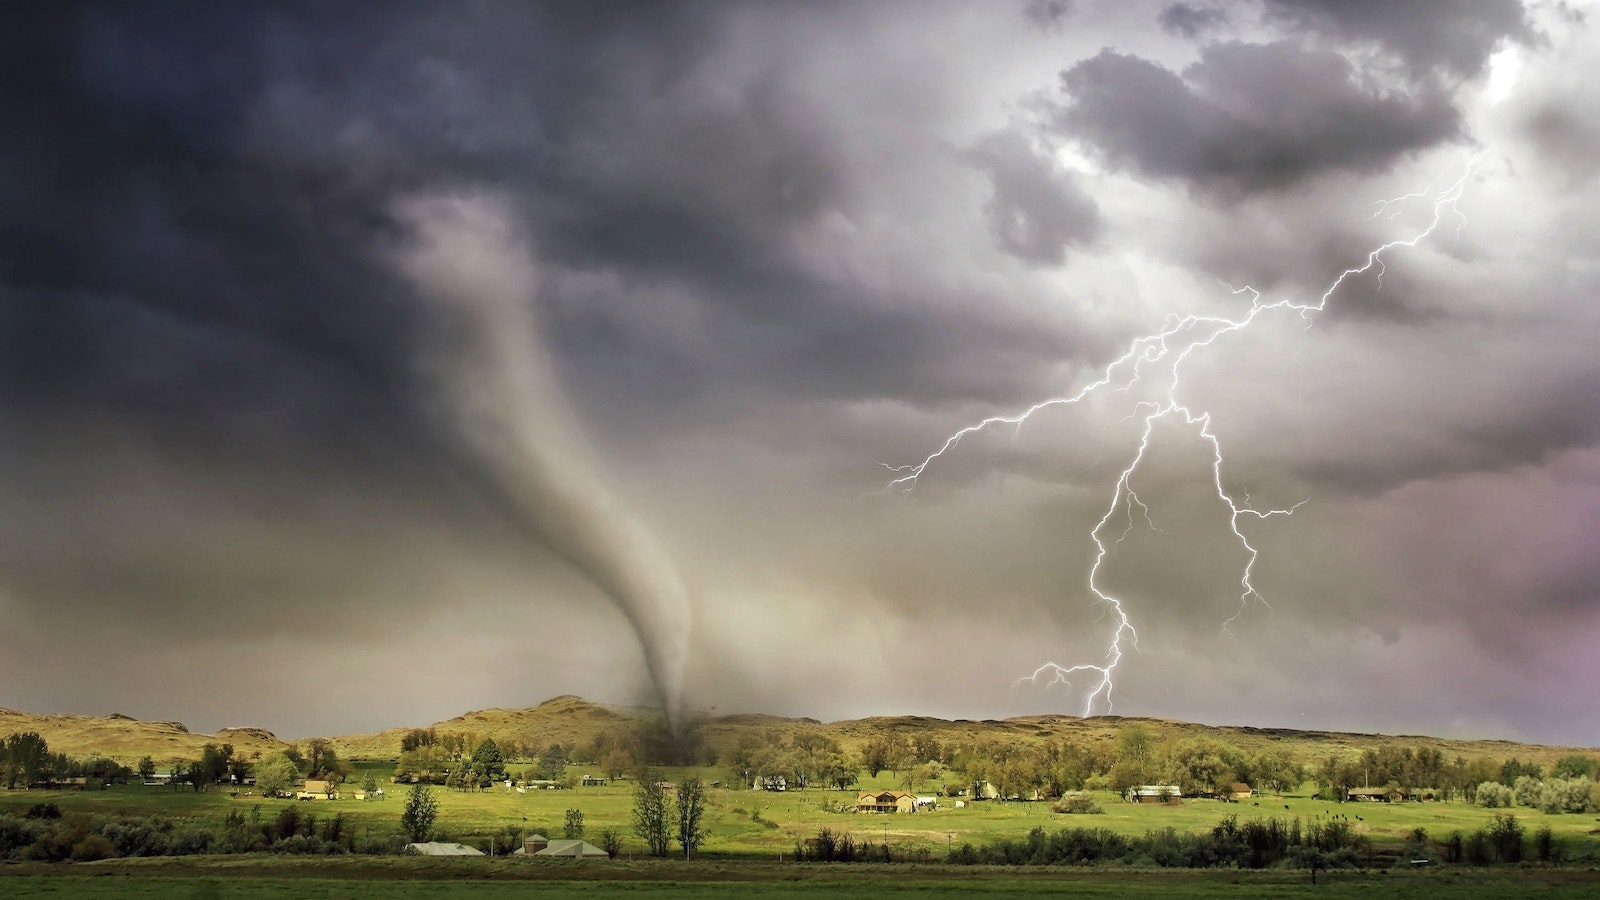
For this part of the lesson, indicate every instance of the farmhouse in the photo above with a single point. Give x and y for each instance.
(1374, 794)
(319, 790)
(593, 781)
(770, 783)
(1234, 792)
(885, 802)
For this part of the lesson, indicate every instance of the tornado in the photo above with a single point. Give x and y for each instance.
(495, 391)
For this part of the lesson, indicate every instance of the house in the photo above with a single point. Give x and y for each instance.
(1153, 793)
(927, 802)
(1235, 792)
(532, 844)
(319, 790)
(769, 783)
(885, 802)
(594, 781)
(437, 848)
(572, 849)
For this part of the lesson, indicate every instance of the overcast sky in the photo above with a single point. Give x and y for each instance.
(363, 364)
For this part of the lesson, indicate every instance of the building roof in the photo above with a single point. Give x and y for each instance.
(577, 849)
(438, 848)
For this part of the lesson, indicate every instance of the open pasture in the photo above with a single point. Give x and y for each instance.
(764, 824)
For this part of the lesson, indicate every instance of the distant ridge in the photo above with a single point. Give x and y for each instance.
(576, 722)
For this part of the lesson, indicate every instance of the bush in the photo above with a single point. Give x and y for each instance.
(1077, 803)
(17, 833)
(1505, 836)
(1526, 790)
(91, 848)
(1494, 795)
(1545, 846)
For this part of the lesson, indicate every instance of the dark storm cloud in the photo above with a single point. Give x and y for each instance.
(1036, 210)
(1247, 117)
(1457, 37)
(1190, 20)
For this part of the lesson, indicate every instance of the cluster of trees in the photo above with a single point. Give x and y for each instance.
(435, 763)
(659, 819)
(46, 835)
(26, 759)
(1253, 844)
(1571, 787)
(801, 760)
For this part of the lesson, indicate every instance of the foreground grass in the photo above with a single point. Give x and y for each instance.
(347, 877)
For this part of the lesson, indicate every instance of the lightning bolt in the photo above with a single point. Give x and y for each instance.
(1164, 351)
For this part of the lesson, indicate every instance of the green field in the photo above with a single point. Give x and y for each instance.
(766, 825)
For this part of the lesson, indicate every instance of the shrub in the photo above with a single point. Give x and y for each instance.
(1494, 795)
(91, 848)
(1505, 836)
(1526, 790)
(1545, 846)
(1077, 803)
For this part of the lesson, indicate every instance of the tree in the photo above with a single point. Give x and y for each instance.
(487, 761)
(691, 813)
(369, 784)
(573, 826)
(1576, 766)
(147, 769)
(27, 756)
(877, 755)
(1275, 769)
(611, 842)
(553, 763)
(213, 764)
(1136, 745)
(323, 762)
(275, 773)
(420, 812)
(650, 813)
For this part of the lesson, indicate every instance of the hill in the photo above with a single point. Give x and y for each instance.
(127, 739)
(576, 722)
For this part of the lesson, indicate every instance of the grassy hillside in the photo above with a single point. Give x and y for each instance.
(574, 721)
(126, 739)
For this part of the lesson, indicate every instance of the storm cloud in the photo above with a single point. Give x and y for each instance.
(765, 251)
(1247, 117)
